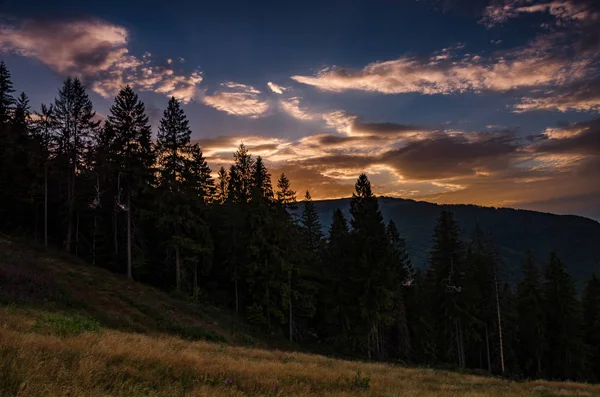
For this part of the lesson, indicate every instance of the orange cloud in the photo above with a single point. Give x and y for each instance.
(238, 100)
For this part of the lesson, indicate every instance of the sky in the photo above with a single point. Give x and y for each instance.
(488, 102)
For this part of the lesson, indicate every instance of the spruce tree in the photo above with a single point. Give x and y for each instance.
(332, 318)
(43, 127)
(311, 226)
(398, 272)
(244, 175)
(563, 357)
(132, 155)
(591, 326)
(76, 126)
(221, 188)
(530, 319)
(446, 283)
(370, 269)
(7, 101)
(172, 143)
(261, 182)
(7, 145)
(285, 195)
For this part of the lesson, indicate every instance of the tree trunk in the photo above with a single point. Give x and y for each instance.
(116, 238)
(129, 267)
(177, 268)
(70, 212)
(487, 343)
(290, 303)
(235, 277)
(94, 240)
(268, 297)
(195, 281)
(46, 205)
(499, 323)
(77, 236)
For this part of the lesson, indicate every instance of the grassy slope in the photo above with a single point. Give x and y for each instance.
(108, 336)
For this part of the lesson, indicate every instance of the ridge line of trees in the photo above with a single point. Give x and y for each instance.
(151, 210)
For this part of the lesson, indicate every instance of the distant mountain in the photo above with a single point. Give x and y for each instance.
(576, 239)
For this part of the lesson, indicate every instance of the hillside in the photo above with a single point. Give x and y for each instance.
(576, 239)
(68, 329)
(56, 282)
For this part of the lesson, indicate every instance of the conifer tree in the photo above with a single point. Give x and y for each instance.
(243, 178)
(76, 125)
(332, 319)
(285, 195)
(398, 272)
(563, 357)
(132, 155)
(531, 323)
(448, 311)
(42, 132)
(172, 143)
(591, 326)
(221, 188)
(369, 269)
(261, 182)
(7, 101)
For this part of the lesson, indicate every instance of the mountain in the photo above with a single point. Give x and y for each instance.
(576, 239)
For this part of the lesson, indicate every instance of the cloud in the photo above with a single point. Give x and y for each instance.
(277, 89)
(583, 96)
(96, 51)
(448, 156)
(238, 100)
(530, 67)
(578, 138)
(292, 107)
(564, 11)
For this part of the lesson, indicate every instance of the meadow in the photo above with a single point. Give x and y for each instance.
(110, 337)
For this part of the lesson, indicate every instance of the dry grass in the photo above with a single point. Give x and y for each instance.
(67, 329)
(115, 363)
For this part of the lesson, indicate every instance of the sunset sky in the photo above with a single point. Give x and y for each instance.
(451, 101)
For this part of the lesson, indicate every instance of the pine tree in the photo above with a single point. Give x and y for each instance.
(311, 225)
(591, 326)
(370, 268)
(448, 310)
(564, 354)
(285, 195)
(531, 323)
(172, 143)
(398, 272)
(479, 295)
(7, 145)
(221, 188)
(242, 180)
(261, 182)
(332, 318)
(16, 162)
(263, 267)
(42, 132)
(132, 154)
(76, 125)
(7, 101)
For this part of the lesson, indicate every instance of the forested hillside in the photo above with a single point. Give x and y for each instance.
(109, 194)
(574, 238)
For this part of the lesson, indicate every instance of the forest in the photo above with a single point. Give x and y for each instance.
(111, 194)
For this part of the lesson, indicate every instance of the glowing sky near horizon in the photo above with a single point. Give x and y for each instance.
(490, 102)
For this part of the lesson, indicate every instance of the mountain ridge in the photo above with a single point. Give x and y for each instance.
(575, 238)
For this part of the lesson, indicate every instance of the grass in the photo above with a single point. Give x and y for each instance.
(115, 363)
(110, 337)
